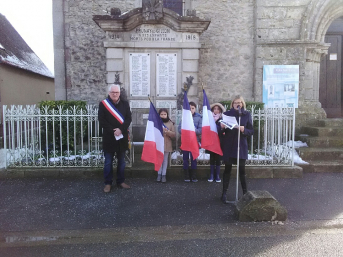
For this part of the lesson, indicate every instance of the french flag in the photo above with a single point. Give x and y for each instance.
(209, 138)
(153, 148)
(188, 137)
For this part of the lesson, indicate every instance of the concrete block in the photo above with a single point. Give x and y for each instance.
(114, 65)
(40, 173)
(81, 173)
(193, 90)
(12, 173)
(288, 172)
(190, 54)
(114, 53)
(110, 77)
(190, 66)
(259, 172)
(260, 206)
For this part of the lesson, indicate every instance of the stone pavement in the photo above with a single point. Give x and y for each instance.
(73, 217)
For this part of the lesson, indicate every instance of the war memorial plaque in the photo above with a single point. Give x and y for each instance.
(140, 104)
(166, 74)
(165, 104)
(139, 74)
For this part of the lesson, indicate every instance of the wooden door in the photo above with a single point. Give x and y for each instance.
(330, 85)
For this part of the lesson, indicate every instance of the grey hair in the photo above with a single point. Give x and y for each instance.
(113, 85)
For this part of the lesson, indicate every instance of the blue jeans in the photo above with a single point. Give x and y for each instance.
(108, 168)
(185, 157)
(163, 169)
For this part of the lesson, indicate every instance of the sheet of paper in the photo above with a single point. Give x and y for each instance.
(119, 137)
(229, 121)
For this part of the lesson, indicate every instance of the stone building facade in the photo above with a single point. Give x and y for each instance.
(229, 53)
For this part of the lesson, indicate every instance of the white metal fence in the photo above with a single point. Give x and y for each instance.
(271, 145)
(36, 137)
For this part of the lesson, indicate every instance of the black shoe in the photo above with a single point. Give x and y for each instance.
(186, 175)
(223, 198)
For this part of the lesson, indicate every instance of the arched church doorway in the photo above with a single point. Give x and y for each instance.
(330, 85)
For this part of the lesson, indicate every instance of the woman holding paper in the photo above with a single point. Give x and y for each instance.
(230, 141)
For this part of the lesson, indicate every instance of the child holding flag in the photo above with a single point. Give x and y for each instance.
(190, 174)
(169, 134)
(215, 159)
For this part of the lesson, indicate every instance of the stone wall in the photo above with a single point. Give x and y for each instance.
(227, 57)
(243, 36)
(85, 55)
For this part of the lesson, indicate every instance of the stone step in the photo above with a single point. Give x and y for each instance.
(147, 171)
(323, 131)
(338, 122)
(323, 166)
(309, 154)
(176, 172)
(321, 141)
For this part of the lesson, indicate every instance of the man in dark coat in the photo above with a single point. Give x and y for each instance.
(114, 118)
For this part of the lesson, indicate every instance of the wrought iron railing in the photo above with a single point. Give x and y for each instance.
(36, 137)
(72, 138)
(271, 145)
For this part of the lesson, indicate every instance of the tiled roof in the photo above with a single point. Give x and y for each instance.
(15, 52)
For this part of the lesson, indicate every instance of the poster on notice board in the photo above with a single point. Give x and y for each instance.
(281, 85)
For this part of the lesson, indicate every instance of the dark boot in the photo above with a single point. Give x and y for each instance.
(211, 173)
(186, 175)
(223, 197)
(193, 173)
(218, 174)
(226, 182)
(242, 179)
(225, 187)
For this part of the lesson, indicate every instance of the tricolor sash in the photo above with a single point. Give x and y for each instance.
(113, 110)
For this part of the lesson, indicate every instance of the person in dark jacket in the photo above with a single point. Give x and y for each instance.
(190, 174)
(114, 118)
(230, 143)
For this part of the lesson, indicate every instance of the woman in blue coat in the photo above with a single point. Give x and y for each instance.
(230, 143)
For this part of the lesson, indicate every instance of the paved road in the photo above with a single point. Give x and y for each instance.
(69, 217)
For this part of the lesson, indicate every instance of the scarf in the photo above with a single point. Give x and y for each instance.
(216, 116)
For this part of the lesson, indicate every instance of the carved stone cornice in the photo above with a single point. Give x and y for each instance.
(314, 50)
(130, 20)
(315, 53)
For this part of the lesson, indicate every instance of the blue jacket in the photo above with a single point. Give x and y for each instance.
(230, 136)
(197, 120)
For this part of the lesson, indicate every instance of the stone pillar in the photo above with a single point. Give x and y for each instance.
(114, 64)
(190, 67)
(59, 54)
(309, 105)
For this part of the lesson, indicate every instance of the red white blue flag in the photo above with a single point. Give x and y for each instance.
(153, 148)
(188, 137)
(209, 138)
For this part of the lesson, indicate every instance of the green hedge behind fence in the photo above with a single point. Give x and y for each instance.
(66, 105)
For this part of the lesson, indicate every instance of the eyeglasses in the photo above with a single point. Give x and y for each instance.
(114, 92)
(237, 102)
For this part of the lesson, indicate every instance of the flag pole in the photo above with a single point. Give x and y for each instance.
(239, 135)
